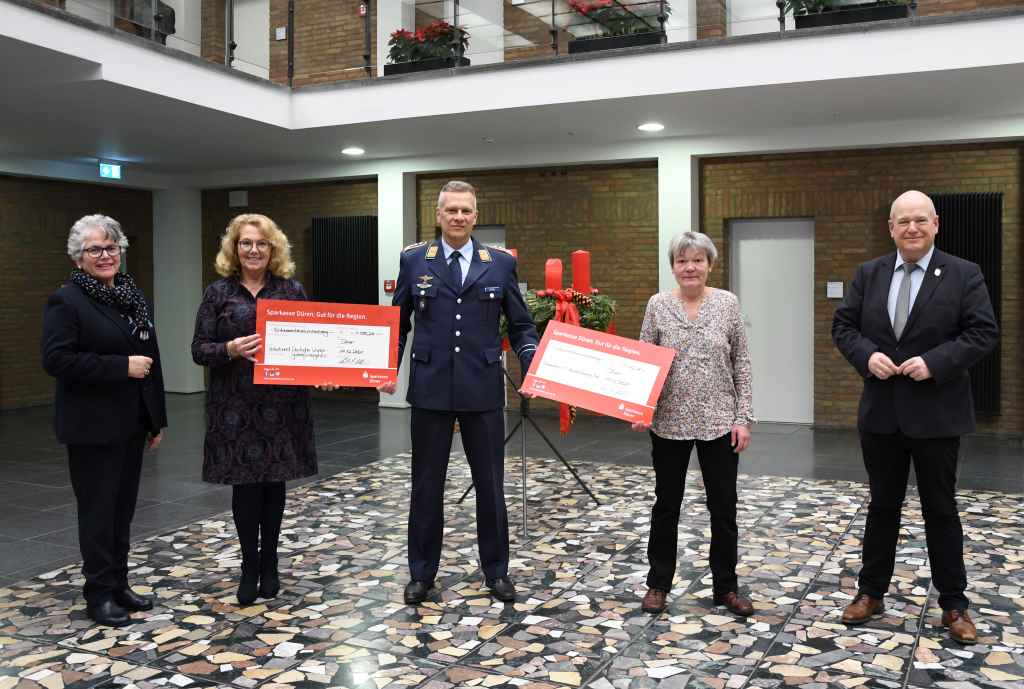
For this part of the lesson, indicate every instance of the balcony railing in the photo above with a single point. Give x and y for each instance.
(300, 43)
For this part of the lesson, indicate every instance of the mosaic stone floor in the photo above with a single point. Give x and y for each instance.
(340, 621)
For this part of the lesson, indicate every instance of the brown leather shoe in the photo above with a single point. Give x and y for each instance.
(654, 601)
(862, 609)
(961, 629)
(737, 604)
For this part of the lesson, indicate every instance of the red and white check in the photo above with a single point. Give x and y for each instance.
(608, 374)
(320, 343)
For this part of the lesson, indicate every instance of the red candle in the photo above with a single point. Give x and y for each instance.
(581, 271)
(553, 273)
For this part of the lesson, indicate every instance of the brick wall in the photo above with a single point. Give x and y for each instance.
(712, 19)
(292, 207)
(848, 194)
(36, 216)
(551, 212)
(212, 31)
(329, 41)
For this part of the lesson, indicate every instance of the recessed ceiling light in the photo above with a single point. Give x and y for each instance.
(353, 151)
(651, 127)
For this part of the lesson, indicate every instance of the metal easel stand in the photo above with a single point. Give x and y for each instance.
(524, 416)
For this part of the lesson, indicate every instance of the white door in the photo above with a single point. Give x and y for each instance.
(772, 273)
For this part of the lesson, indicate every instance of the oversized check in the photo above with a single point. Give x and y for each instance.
(320, 343)
(608, 374)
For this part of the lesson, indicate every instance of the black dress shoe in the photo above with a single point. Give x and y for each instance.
(108, 613)
(503, 589)
(131, 601)
(247, 586)
(416, 592)
(270, 580)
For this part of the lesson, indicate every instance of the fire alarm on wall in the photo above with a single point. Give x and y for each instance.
(389, 287)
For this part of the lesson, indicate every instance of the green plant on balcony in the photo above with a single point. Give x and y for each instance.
(615, 19)
(438, 40)
(804, 7)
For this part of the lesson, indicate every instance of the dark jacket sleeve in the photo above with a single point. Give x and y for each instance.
(61, 355)
(403, 299)
(522, 333)
(978, 332)
(207, 350)
(846, 326)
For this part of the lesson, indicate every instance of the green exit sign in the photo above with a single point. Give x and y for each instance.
(110, 171)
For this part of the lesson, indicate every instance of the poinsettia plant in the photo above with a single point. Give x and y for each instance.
(614, 18)
(437, 40)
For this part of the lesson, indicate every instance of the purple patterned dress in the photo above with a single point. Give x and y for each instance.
(254, 433)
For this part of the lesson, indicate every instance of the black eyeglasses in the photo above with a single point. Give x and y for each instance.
(96, 251)
(261, 245)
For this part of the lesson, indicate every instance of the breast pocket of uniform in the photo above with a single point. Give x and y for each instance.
(425, 297)
(490, 299)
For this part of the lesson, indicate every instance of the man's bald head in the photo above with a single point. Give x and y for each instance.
(911, 198)
(913, 225)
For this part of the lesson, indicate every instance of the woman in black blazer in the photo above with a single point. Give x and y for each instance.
(100, 345)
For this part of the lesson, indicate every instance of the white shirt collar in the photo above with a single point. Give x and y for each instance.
(923, 263)
(466, 251)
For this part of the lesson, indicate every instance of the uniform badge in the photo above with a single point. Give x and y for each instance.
(431, 252)
(485, 255)
(424, 281)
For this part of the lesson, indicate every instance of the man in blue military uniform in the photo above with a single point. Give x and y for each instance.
(458, 290)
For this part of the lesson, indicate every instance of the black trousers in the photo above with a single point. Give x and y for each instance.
(887, 459)
(483, 437)
(719, 466)
(105, 479)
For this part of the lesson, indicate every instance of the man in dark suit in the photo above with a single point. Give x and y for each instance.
(913, 323)
(458, 289)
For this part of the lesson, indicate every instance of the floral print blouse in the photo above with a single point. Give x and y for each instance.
(708, 388)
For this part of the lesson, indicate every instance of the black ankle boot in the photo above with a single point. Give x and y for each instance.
(270, 581)
(247, 585)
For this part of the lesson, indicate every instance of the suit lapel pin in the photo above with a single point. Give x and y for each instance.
(938, 272)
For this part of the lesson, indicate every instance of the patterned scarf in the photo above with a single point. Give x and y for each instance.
(125, 296)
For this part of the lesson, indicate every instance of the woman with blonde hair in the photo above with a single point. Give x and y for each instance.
(257, 436)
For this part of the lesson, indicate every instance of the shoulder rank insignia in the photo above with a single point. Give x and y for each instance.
(484, 255)
(431, 252)
(413, 246)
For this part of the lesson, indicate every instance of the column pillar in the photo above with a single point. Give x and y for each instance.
(396, 222)
(678, 204)
(177, 283)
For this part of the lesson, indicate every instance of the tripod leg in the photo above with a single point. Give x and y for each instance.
(523, 434)
(563, 460)
(511, 433)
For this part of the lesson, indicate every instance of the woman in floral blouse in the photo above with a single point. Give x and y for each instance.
(706, 402)
(257, 436)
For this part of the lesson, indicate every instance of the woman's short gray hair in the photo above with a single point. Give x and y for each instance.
(84, 225)
(691, 240)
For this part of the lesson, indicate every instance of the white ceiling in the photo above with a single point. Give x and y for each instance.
(57, 108)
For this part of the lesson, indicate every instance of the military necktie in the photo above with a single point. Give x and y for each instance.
(455, 265)
(899, 321)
